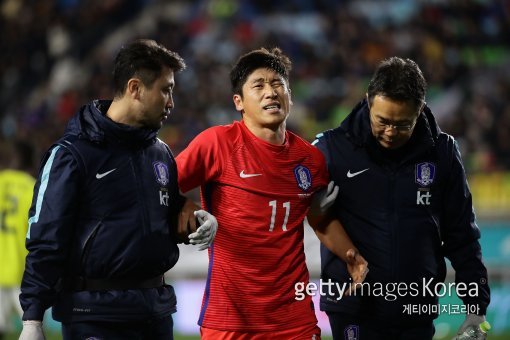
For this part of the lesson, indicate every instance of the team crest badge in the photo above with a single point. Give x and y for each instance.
(303, 177)
(351, 332)
(425, 173)
(161, 172)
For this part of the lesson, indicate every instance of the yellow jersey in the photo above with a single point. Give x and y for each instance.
(16, 191)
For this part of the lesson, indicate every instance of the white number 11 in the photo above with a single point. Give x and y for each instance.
(286, 205)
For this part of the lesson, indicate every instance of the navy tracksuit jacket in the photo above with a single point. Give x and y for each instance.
(105, 206)
(406, 211)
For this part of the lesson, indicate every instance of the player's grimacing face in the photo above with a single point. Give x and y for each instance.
(266, 98)
(157, 100)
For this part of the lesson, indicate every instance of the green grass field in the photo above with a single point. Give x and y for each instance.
(56, 336)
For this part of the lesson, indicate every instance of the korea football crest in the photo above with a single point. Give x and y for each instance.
(424, 176)
(161, 172)
(162, 177)
(424, 173)
(351, 332)
(303, 177)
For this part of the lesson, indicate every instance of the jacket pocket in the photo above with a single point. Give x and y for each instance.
(87, 245)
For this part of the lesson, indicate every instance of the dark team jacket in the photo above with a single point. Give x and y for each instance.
(105, 206)
(405, 211)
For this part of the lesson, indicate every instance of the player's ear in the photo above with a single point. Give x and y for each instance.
(238, 102)
(134, 88)
(290, 97)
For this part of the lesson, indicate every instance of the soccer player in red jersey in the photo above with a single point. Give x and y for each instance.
(260, 180)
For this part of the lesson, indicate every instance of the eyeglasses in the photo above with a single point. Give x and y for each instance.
(398, 127)
(404, 128)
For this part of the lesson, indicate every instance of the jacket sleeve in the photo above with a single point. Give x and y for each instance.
(461, 235)
(321, 143)
(50, 228)
(201, 161)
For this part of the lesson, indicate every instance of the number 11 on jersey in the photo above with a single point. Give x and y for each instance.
(273, 205)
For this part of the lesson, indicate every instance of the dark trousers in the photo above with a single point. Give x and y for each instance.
(153, 329)
(348, 327)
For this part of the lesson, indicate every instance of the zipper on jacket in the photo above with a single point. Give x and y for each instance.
(139, 189)
(88, 244)
(394, 225)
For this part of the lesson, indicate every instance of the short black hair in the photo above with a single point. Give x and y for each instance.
(143, 58)
(399, 79)
(272, 59)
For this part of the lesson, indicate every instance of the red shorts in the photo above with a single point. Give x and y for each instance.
(307, 332)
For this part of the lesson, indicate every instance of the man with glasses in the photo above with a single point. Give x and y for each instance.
(405, 202)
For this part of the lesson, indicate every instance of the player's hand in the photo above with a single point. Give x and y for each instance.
(357, 267)
(32, 330)
(471, 320)
(327, 196)
(187, 223)
(206, 232)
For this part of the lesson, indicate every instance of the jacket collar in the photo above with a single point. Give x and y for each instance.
(91, 123)
(357, 129)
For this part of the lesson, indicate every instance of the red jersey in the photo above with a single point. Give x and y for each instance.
(260, 194)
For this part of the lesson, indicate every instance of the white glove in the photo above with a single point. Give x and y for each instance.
(327, 196)
(32, 330)
(471, 320)
(206, 232)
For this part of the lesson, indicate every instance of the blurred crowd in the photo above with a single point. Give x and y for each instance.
(57, 55)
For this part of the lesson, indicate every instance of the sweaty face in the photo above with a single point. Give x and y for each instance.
(392, 121)
(265, 102)
(156, 100)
